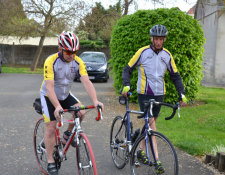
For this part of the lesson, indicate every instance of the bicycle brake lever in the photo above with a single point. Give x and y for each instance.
(179, 111)
(61, 115)
(100, 111)
(151, 109)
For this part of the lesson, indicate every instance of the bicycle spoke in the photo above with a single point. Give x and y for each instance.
(85, 157)
(40, 153)
(163, 151)
(118, 142)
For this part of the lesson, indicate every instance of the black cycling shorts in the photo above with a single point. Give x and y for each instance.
(48, 109)
(156, 108)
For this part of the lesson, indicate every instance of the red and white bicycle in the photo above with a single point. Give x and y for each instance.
(84, 154)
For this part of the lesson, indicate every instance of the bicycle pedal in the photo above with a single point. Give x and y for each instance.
(137, 164)
(118, 141)
(39, 151)
(64, 158)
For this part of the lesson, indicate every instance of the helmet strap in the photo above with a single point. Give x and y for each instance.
(63, 57)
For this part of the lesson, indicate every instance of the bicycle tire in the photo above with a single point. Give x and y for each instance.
(41, 156)
(166, 154)
(85, 156)
(119, 155)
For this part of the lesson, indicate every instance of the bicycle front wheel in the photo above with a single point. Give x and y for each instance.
(39, 147)
(85, 157)
(118, 142)
(159, 147)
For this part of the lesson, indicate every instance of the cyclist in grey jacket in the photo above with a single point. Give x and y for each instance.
(153, 61)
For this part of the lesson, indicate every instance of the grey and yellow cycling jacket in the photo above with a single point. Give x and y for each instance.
(151, 70)
(63, 73)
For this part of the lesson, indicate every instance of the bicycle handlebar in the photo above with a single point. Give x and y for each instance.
(77, 109)
(175, 107)
(152, 101)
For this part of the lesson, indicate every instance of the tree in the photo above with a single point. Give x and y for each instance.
(98, 23)
(14, 21)
(52, 15)
(185, 41)
(127, 4)
(204, 3)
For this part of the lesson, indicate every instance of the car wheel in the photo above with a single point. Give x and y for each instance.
(105, 80)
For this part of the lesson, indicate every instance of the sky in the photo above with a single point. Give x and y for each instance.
(144, 4)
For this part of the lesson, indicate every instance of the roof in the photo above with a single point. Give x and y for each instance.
(192, 10)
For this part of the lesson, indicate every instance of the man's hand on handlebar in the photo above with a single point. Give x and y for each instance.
(182, 104)
(96, 103)
(184, 100)
(56, 113)
(125, 90)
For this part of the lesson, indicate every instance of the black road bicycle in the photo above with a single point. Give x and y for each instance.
(157, 146)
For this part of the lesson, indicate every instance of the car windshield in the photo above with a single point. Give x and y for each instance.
(93, 57)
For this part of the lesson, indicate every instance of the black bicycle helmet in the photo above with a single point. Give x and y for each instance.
(159, 30)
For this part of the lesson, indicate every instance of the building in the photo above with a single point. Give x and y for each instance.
(191, 12)
(212, 19)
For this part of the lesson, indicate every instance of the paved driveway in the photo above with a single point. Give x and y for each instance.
(18, 118)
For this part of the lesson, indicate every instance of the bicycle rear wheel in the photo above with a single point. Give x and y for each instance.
(39, 148)
(118, 144)
(166, 155)
(85, 157)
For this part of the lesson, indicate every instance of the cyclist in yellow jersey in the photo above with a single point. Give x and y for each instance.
(152, 62)
(59, 72)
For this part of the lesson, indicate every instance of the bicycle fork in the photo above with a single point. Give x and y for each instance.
(125, 145)
(149, 141)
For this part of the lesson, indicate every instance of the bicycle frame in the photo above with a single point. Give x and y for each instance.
(127, 122)
(146, 128)
(75, 131)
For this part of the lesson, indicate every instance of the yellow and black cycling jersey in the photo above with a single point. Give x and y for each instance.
(151, 70)
(63, 73)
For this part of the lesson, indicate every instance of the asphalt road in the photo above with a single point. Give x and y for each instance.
(18, 118)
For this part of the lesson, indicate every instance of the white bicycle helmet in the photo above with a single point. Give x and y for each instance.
(69, 41)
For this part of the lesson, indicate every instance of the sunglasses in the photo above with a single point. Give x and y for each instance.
(69, 53)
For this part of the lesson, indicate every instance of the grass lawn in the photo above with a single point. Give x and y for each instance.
(201, 127)
(26, 70)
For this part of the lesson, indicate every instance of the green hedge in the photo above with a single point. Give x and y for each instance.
(185, 41)
(87, 42)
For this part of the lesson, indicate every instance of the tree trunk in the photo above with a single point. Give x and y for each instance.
(221, 166)
(217, 159)
(208, 158)
(38, 53)
(126, 5)
(196, 10)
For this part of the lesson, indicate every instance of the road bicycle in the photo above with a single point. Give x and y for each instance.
(84, 154)
(157, 145)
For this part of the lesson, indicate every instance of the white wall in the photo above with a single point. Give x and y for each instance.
(220, 51)
(30, 41)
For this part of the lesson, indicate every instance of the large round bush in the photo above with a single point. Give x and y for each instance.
(185, 42)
